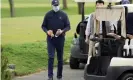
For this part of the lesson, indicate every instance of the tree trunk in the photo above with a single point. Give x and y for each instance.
(131, 1)
(79, 8)
(64, 4)
(12, 11)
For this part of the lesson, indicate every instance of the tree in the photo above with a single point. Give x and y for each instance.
(64, 4)
(12, 11)
(79, 8)
(5, 73)
(131, 1)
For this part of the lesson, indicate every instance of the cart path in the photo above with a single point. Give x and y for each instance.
(68, 74)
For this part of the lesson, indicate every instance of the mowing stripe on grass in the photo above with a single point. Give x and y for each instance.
(28, 29)
(24, 5)
(40, 11)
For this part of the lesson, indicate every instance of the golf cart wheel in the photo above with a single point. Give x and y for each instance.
(74, 63)
(127, 76)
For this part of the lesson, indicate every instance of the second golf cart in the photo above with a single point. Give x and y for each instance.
(79, 48)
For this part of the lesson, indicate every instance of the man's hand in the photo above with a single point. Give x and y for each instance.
(87, 41)
(114, 35)
(58, 32)
(50, 33)
(117, 37)
(130, 36)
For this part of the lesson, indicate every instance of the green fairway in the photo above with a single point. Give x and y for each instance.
(39, 8)
(31, 57)
(40, 11)
(34, 1)
(28, 29)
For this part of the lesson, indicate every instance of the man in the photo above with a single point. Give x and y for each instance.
(90, 23)
(129, 28)
(125, 2)
(129, 24)
(55, 25)
(89, 28)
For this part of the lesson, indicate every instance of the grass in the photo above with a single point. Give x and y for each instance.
(34, 1)
(28, 29)
(39, 8)
(30, 57)
(40, 11)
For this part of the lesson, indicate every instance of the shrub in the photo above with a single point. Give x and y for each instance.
(5, 72)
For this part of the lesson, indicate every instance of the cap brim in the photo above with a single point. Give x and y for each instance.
(55, 4)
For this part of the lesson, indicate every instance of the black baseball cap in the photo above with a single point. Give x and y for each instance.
(55, 2)
(99, 1)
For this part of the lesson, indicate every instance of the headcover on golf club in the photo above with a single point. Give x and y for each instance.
(131, 46)
(126, 48)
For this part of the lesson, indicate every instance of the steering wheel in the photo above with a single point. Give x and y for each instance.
(97, 39)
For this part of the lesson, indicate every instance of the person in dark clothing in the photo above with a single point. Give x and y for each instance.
(55, 25)
(129, 25)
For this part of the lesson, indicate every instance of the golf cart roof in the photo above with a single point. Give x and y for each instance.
(96, 0)
(116, 13)
(129, 7)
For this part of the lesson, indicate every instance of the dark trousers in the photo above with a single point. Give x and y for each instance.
(55, 43)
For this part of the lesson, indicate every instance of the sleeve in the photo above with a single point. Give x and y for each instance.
(113, 25)
(101, 31)
(67, 24)
(44, 24)
(87, 31)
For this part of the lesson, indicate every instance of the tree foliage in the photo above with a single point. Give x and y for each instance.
(5, 73)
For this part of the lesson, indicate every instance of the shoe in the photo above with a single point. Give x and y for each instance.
(59, 79)
(50, 79)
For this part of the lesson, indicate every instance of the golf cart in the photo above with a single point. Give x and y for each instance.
(114, 57)
(79, 48)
